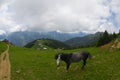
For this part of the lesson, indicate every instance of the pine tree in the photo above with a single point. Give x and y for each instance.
(105, 38)
(114, 36)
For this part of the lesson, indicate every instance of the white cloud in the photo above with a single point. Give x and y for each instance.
(2, 32)
(7, 25)
(2, 2)
(115, 7)
(108, 26)
(62, 15)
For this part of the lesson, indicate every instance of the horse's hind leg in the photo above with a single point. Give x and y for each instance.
(67, 66)
(84, 63)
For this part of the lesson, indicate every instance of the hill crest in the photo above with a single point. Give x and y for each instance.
(21, 38)
(47, 44)
(85, 41)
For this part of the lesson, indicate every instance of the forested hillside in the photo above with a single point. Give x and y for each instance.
(85, 41)
(47, 44)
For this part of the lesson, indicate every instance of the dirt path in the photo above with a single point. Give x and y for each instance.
(5, 65)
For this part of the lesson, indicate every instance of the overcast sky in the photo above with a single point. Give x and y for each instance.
(59, 15)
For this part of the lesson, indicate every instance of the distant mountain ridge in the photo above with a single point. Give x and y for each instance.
(85, 41)
(21, 38)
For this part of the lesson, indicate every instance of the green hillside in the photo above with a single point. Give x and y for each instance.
(3, 47)
(114, 44)
(47, 44)
(32, 64)
(85, 41)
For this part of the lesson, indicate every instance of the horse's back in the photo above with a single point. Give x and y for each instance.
(77, 56)
(85, 55)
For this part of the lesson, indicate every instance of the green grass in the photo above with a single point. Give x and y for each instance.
(3, 47)
(30, 64)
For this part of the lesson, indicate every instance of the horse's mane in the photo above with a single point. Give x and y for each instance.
(66, 57)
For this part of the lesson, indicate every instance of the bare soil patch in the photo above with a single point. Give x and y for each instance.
(5, 65)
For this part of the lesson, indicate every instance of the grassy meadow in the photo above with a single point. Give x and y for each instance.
(31, 64)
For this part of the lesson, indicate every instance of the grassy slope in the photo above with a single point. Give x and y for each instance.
(30, 64)
(115, 44)
(3, 47)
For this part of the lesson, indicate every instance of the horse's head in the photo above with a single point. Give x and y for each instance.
(58, 58)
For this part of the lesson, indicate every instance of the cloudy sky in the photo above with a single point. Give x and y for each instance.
(59, 15)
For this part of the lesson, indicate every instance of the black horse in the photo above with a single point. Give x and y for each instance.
(72, 57)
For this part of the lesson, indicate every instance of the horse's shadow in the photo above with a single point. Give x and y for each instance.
(73, 73)
(77, 69)
(73, 70)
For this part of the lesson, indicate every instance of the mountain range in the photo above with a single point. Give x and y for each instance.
(21, 38)
(76, 42)
(84, 41)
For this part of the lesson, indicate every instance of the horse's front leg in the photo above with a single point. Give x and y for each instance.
(84, 63)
